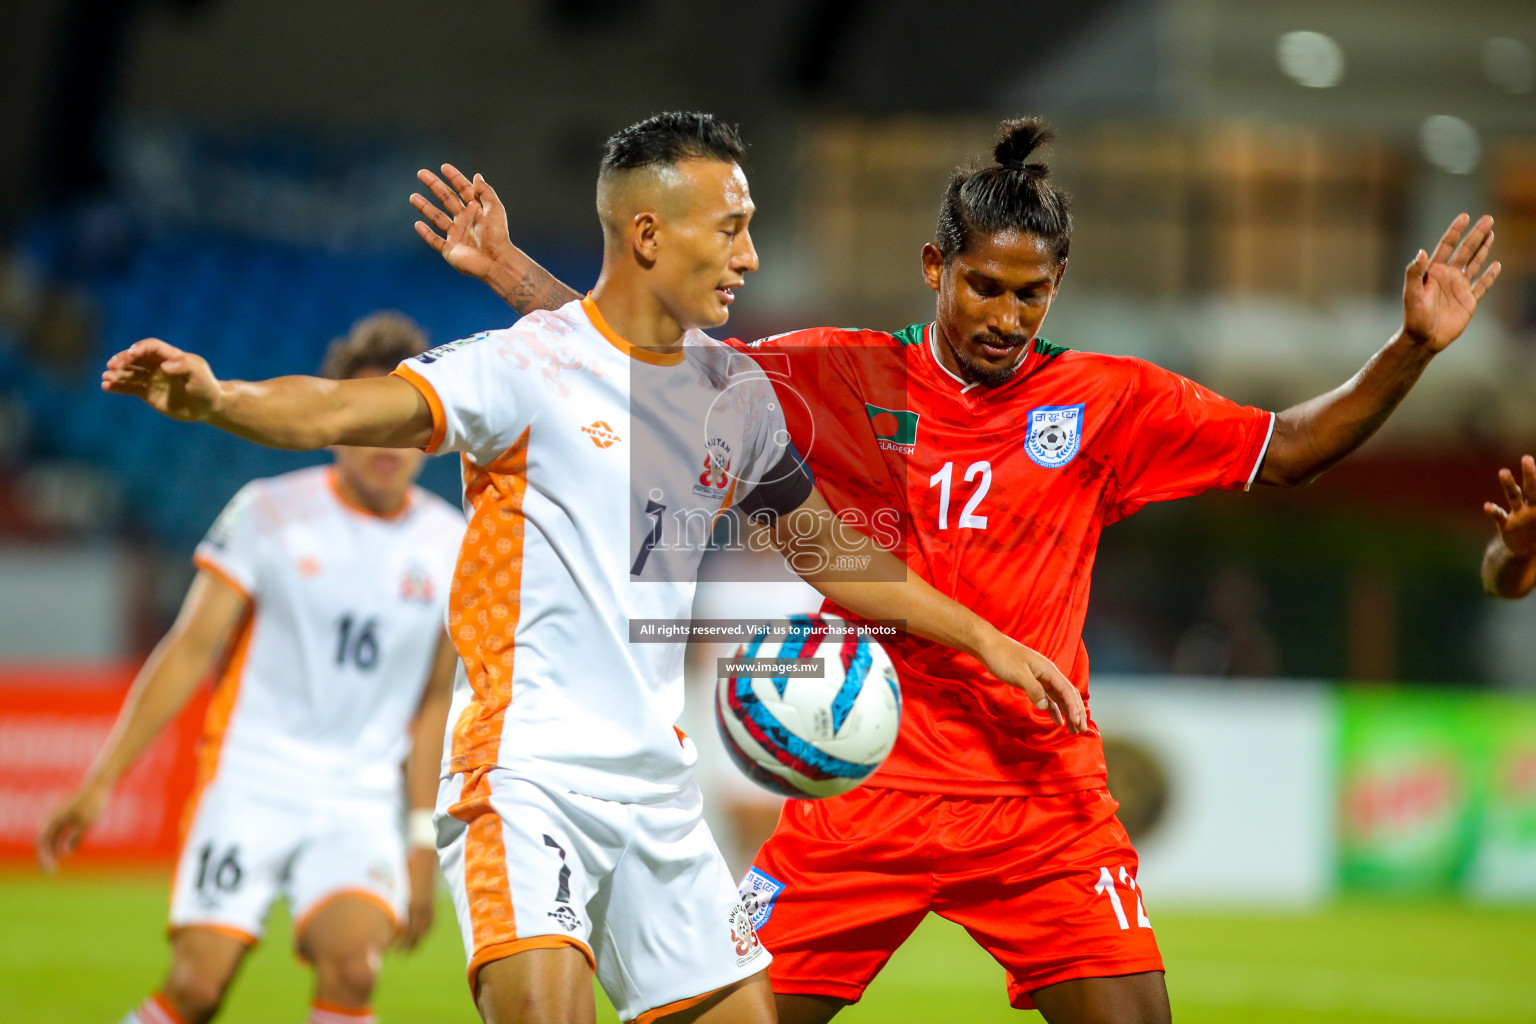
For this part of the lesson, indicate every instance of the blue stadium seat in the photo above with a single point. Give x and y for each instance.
(253, 309)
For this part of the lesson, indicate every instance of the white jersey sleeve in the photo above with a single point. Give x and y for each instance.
(233, 546)
(483, 392)
(773, 479)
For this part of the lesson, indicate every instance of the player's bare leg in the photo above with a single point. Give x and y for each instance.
(203, 963)
(803, 1009)
(345, 941)
(1126, 999)
(749, 1001)
(537, 986)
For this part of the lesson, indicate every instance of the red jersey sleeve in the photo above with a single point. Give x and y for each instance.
(1180, 439)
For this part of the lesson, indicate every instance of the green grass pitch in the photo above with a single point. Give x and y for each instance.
(85, 948)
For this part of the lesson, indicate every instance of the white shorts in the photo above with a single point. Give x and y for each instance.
(640, 889)
(245, 847)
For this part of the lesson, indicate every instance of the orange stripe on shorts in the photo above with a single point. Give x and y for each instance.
(485, 864)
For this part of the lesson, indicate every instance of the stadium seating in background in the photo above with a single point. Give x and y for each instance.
(255, 309)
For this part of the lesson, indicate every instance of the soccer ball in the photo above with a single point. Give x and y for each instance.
(804, 735)
(1052, 438)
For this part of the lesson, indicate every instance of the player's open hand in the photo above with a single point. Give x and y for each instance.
(470, 229)
(1441, 292)
(418, 915)
(66, 825)
(170, 381)
(1039, 677)
(1517, 523)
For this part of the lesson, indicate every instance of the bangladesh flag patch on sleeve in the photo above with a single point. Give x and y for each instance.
(895, 429)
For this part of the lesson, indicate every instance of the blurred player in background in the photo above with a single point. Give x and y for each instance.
(570, 826)
(1009, 455)
(319, 597)
(1509, 563)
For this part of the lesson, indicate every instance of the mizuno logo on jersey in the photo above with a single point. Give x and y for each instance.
(601, 434)
(895, 429)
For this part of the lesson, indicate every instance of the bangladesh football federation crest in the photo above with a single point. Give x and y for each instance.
(1055, 434)
(758, 891)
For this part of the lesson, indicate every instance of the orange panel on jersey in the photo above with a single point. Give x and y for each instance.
(222, 705)
(485, 601)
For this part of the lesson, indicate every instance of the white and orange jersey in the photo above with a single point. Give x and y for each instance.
(593, 472)
(329, 666)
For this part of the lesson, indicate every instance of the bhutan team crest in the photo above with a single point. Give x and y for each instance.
(1055, 434)
(717, 469)
(743, 934)
(416, 585)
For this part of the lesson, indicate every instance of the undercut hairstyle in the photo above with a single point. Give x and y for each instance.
(665, 140)
(1012, 194)
(379, 341)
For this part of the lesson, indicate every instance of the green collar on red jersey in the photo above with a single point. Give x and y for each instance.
(912, 334)
(1049, 349)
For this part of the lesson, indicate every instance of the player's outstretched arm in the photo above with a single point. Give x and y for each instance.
(285, 412)
(869, 581)
(469, 229)
(1509, 564)
(421, 776)
(1440, 295)
(186, 655)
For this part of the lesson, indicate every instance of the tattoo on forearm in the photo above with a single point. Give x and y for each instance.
(537, 289)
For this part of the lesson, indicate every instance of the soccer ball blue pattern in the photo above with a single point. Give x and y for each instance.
(810, 735)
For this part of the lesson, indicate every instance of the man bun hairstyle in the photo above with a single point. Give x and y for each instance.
(1013, 194)
(668, 139)
(379, 341)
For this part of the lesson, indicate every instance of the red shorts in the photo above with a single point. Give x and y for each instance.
(1046, 884)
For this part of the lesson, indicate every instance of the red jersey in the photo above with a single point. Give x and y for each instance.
(997, 496)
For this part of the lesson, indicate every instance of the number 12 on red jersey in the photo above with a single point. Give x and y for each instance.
(941, 480)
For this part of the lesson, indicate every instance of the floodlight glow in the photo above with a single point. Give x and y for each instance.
(1311, 59)
(1450, 143)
